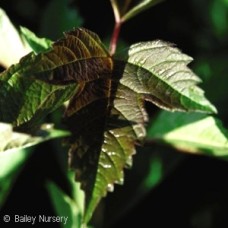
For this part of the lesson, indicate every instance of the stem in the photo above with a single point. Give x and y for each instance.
(115, 10)
(116, 30)
(114, 39)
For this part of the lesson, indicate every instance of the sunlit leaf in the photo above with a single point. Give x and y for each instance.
(11, 140)
(16, 44)
(36, 44)
(30, 100)
(12, 47)
(15, 149)
(159, 71)
(192, 133)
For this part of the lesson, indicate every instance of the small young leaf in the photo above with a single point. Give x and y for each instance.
(192, 132)
(36, 44)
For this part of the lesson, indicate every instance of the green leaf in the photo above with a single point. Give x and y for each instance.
(41, 83)
(192, 133)
(66, 207)
(23, 94)
(36, 44)
(11, 163)
(14, 44)
(159, 71)
(30, 98)
(11, 140)
(25, 103)
(12, 47)
(15, 149)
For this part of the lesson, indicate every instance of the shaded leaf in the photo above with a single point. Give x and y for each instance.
(59, 16)
(152, 165)
(219, 13)
(65, 206)
(11, 163)
(193, 133)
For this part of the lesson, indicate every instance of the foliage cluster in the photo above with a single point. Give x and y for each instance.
(100, 99)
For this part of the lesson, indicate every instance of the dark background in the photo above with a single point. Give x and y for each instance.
(194, 193)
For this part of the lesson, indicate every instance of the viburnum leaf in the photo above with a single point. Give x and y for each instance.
(105, 114)
(107, 117)
(159, 71)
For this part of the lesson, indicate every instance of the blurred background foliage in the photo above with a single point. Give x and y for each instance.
(163, 187)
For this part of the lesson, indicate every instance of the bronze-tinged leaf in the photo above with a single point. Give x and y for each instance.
(40, 83)
(107, 116)
(75, 58)
(106, 119)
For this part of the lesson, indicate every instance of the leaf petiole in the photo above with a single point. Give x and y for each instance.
(114, 39)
